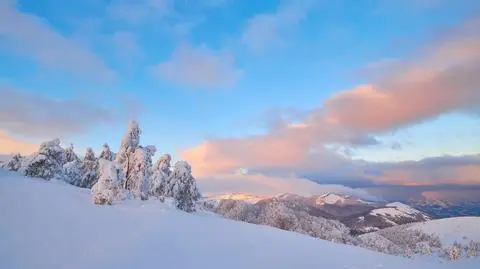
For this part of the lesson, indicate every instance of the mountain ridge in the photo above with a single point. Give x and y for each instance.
(359, 215)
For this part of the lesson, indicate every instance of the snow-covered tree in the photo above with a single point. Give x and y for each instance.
(14, 163)
(109, 185)
(183, 186)
(128, 145)
(140, 169)
(89, 169)
(160, 177)
(73, 172)
(47, 163)
(70, 154)
(453, 252)
(106, 153)
(473, 248)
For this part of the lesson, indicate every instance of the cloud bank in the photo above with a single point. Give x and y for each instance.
(9, 145)
(441, 77)
(36, 116)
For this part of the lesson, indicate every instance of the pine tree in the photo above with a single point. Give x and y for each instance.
(128, 145)
(184, 187)
(70, 154)
(140, 171)
(109, 185)
(89, 169)
(106, 153)
(73, 172)
(47, 163)
(160, 177)
(14, 163)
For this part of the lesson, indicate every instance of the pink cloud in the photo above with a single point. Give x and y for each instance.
(9, 145)
(421, 173)
(442, 77)
(443, 81)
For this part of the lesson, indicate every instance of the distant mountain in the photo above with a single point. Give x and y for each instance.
(447, 209)
(384, 216)
(358, 215)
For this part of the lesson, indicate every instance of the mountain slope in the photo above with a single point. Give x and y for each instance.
(53, 225)
(450, 230)
(358, 215)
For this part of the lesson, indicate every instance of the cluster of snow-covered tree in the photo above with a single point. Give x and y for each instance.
(111, 177)
(407, 241)
(280, 214)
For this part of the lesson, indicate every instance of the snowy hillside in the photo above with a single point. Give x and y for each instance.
(238, 197)
(398, 211)
(330, 198)
(54, 225)
(460, 229)
(358, 215)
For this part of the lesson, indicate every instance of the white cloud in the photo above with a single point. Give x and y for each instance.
(33, 37)
(34, 115)
(138, 11)
(266, 30)
(199, 67)
(263, 185)
(126, 45)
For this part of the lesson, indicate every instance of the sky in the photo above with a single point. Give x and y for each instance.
(253, 93)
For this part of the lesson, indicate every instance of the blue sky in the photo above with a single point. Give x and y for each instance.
(219, 70)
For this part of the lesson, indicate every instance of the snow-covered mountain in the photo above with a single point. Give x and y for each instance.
(337, 199)
(358, 215)
(249, 198)
(50, 225)
(385, 216)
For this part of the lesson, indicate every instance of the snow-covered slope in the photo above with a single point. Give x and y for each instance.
(329, 198)
(248, 198)
(359, 215)
(397, 211)
(52, 225)
(460, 229)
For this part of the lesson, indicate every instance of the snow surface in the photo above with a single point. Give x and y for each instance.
(51, 225)
(396, 210)
(461, 229)
(329, 198)
(248, 198)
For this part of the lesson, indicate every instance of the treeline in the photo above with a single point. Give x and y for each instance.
(129, 173)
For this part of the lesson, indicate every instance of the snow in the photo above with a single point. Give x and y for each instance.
(46, 224)
(329, 198)
(404, 208)
(396, 210)
(248, 198)
(461, 229)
